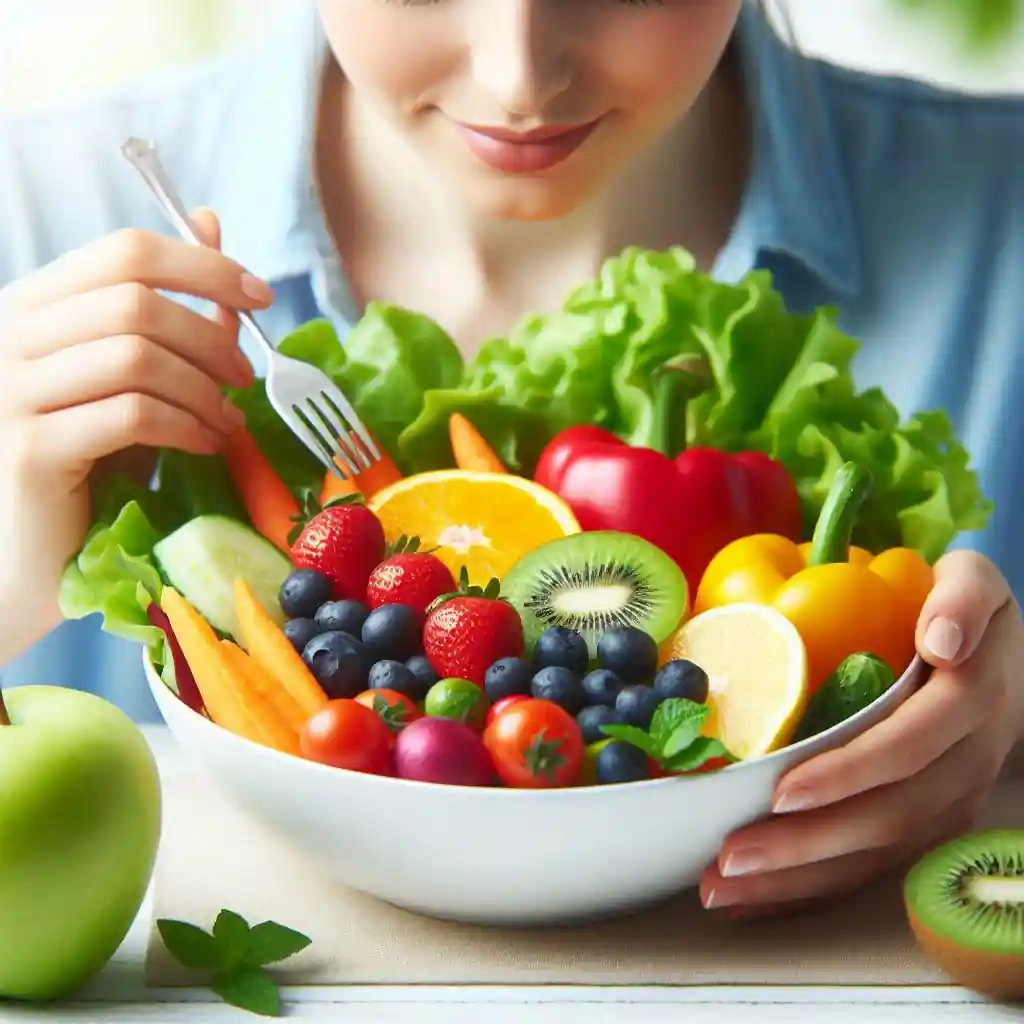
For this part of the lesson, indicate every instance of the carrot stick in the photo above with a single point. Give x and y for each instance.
(271, 507)
(470, 449)
(380, 475)
(263, 706)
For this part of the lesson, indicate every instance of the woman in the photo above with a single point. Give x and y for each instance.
(475, 159)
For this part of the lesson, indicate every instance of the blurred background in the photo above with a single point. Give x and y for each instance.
(52, 51)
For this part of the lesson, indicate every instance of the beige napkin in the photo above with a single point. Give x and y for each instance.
(214, 857)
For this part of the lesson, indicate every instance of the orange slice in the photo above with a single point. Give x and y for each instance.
(484, 522)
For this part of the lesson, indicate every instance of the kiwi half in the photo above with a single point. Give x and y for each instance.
(965, 903)
(596, 581)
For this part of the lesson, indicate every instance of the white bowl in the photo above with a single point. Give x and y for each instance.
(501, 856)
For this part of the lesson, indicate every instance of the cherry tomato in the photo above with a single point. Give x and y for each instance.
(535, 745)
(499, 706)
(396, 710)
(346, 734)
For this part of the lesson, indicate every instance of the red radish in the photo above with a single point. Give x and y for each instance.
(188, 692)
(444, 751)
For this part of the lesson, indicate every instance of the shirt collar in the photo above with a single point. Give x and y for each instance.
(798, 198)
(797, 201)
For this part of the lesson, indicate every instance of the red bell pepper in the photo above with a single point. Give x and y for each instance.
(690, 503)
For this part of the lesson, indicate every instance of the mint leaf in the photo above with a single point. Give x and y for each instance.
(676, 724)
(231, 931)
(249, 988)
(631, 734)
(190, 946)
(698, 753)
(270, 942)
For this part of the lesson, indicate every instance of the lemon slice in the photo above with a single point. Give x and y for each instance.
(484, 522)
(756, 664)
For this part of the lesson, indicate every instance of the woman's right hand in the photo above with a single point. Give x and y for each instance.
(95, 361)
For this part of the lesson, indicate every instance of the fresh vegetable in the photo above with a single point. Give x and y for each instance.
(839, 606)
(466, 633)
(471, 451)
(184, 681)
(459, 699)
(535, 745)
(395, 709)
(344, 542)
(236, 955)
(501, 705)
(277, 712)
(689, 503)
(203, 558)
(270, 505)
(347, 734)
(409, 576)
(859, 681)
(367, 482)
(442, 750)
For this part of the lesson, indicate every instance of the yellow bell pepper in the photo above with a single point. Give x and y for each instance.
(843, 600)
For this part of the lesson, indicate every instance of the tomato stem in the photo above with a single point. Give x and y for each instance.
(678, 382)
(834, 530)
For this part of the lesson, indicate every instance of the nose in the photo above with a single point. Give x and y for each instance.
(520, 55)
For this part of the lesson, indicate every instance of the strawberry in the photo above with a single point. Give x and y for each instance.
(409, 576)
(468, 631)
(344, 541)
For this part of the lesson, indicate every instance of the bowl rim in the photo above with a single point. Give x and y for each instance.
(918, 668)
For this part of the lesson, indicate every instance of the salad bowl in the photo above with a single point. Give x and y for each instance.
(493, 856)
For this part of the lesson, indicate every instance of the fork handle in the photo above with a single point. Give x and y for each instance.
(142, 155)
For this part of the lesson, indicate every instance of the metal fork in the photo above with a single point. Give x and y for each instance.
(303, 396)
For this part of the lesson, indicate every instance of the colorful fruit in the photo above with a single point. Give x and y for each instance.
(459, 699)
(470, 449)
(397, 676)
(303, 592)
(394, 709)
(482, 522)
(467, 633)
(444, 751)
(592, 718)
(637, 704)
(602, 687)
(619, 762)
(682, 679)
(409, 577)
(392, 631)
(561, 647)
(344, 542)
(629, 652)
(423, 672)
(508, 677)
(535, 745)
(337, 662)
(499, 706)
(347, 734)
(300, 632)
(342, 616)
(561, 686)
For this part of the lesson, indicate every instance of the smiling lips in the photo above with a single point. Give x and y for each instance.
(524, 152)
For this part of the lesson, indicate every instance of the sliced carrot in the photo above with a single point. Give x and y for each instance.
(279, 732)
(470, 449)
(271, 507)
(269, 647)
(262, 682)
(224, 703)
(380, 475)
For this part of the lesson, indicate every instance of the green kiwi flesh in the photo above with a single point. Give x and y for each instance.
(965, 904)
(596, 581)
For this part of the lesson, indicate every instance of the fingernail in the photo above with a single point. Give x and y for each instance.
(943, 639)
(256, 289)
(793, 801)
(711, 900)
(744, 862)
(233, 416)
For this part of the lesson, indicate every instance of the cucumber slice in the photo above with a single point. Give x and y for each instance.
(203, 558)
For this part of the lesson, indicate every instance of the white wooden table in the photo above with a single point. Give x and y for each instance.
(119, 995)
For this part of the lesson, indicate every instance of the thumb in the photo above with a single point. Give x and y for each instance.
(968, 592)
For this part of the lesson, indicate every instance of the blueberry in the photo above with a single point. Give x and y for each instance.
(682, 679)
(424, 674)
(392, 631)
(629, 652)
(506, 678)
(560, 647)
(560, 686)
(619, 761)
(602, 686)
(300, 632)
(337, 661)
(344, 616)
(394, 675)
(302, 592)
(637, 705)
(592, 718)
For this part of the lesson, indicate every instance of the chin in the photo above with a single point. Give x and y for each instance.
(524, 198)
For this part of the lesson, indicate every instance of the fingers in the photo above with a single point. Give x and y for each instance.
(968, 592)
(208, 228)
(130, 363)
(168, 264)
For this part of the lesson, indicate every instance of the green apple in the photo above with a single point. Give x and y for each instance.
(79, 829)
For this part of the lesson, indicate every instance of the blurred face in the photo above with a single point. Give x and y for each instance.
(529, 107)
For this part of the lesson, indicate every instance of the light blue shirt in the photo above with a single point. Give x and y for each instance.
(900, 204)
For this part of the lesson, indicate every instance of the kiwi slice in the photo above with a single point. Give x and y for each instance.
(965, 903)
(595, 581)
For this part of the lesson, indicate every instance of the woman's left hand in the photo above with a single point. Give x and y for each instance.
(915, 779)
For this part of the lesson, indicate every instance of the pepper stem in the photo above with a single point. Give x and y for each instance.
(677, 383)
(5, 718)
(834, 530)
